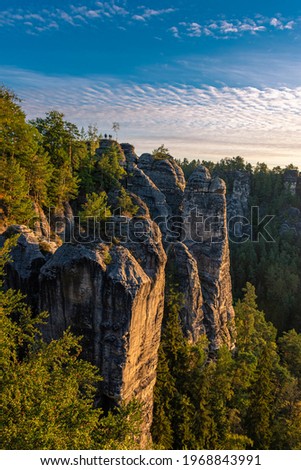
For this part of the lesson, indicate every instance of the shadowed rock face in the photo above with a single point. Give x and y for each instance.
(205, 224)
(140, 184)
(168, 177)
(183, 269)
(130, 156)
(238, 204)
(27, 260)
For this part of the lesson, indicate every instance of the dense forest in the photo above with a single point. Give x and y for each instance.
(246, 398)
(273, 268)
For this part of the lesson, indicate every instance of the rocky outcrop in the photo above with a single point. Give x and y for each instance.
(110, 290)
(205, 225)
(290, 180)
(27, 260)
(238, 205)
(41, 224)
(130, 156)
(140, 184)
(168, 177)
(115, 300)
(290, 222)
(106, 145)
(62, 222)
(183, 271)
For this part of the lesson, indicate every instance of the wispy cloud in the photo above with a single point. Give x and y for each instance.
(227, 28)
(175, 31)
(45, 19)
(258, 123)
(149, 13)
(37, 20)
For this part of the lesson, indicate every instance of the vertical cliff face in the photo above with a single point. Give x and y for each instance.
(205, 225)
(27, 260)
(115, 302)
(238, 204)
(168, 177)
(198, 253)
(183, 271)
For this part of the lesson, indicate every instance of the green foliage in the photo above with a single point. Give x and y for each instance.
(61, 139)
(161, 153)
(63, 143)
(125, 203)
(44, 387)
(20, 144)
(109, 171)
(18, 139)
(39, 172)
(290, 351)
(96, 207)
(64, 186)
(120, 429)
(15, 202)
(245, 399)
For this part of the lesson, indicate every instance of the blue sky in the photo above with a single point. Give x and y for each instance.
(209, 79)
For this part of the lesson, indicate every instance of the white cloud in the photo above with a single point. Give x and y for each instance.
(258, 123)
(234, 27)
(45, 19)
(175, 31)
(194, 30)
(149, 13)
(138, 18)
(37, 20)
(276, 23)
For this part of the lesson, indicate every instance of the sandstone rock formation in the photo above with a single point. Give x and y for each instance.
(139, 183)
(167, 176)
(291, 180)
(183, 269)
(238, 205)
(130, 156)
(62, 221)
(116, 304)
(205, 225)
(27, 260)
(111, 291)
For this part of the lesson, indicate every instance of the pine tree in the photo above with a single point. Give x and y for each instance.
(21, 142)
(164, 393)
(96, 207)
(261, 411)
(14, 193)
(109, 171)
(125, 203)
